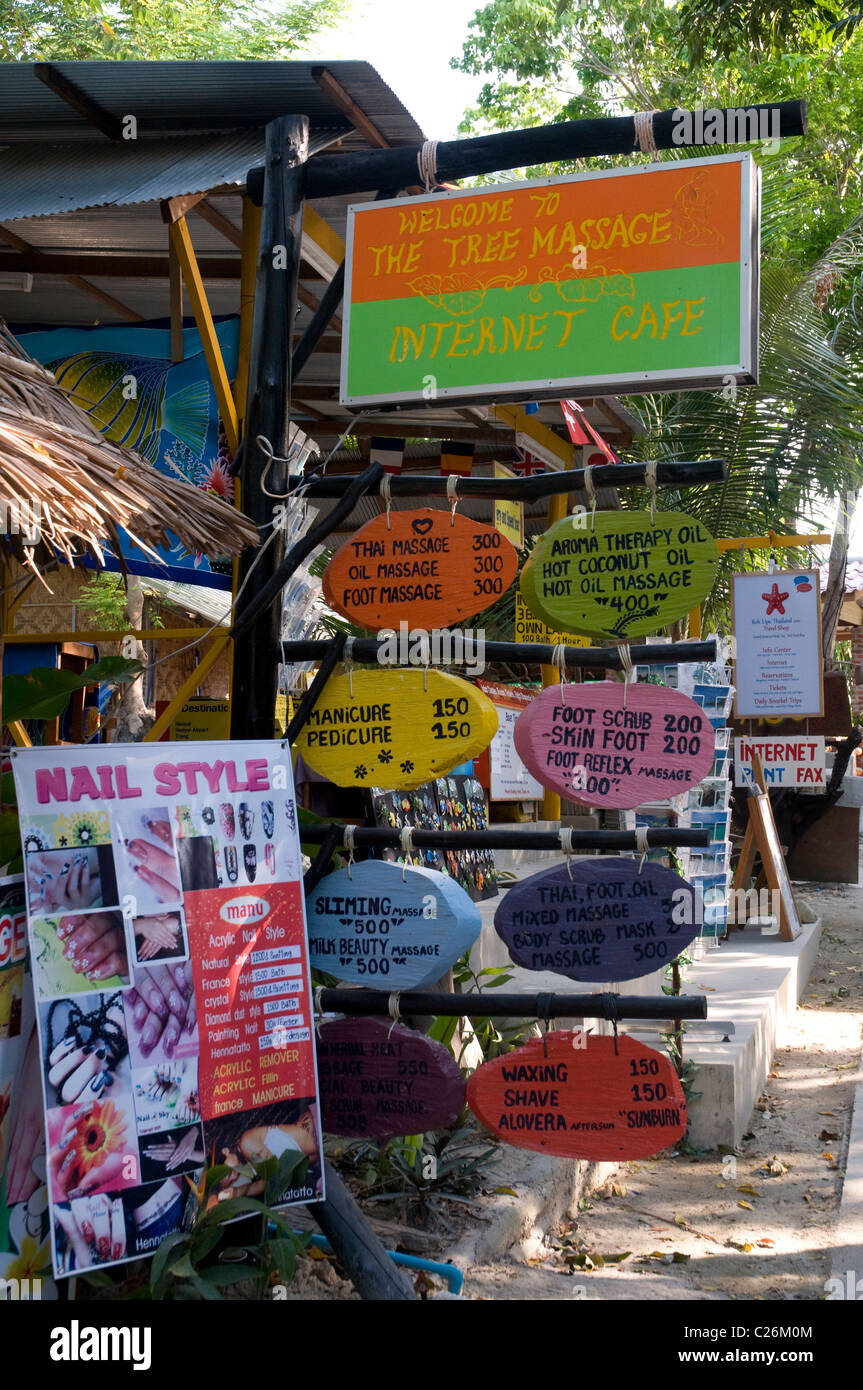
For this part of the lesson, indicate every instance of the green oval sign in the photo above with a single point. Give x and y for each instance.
(619, 574)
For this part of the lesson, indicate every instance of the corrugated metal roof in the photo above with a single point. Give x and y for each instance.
(64, 178)
(180, 97)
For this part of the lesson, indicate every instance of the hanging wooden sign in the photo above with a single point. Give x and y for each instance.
(427, 568)
(582, 742)
(390, 926)
(395, 728)
(618, 574)
(380, 1079)
(609, 921)
(570, 1094)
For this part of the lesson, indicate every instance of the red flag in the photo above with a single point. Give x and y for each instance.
(577, 422)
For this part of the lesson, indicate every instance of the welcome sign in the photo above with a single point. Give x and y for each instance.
(633, 279)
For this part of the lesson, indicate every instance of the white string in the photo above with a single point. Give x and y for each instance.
(318, 1010)
(393, 1011)
(626, 663)
(348, 837)
(427, 164)
(591, 494)
(386, 496)
(348, 655)
(558, 660)
(651, 482)
(565, 835)
(644, 133)
(641, 844)
(407, 839)
(452, 494)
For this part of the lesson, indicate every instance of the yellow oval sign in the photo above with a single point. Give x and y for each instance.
(619, 574)
(397, 728)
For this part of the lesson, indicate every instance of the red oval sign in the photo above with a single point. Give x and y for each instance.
(427, 568)
(583, 742)
(581, 1101)
(380, 1079)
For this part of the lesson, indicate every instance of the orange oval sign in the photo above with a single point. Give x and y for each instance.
(426, 568)
(579, 1096)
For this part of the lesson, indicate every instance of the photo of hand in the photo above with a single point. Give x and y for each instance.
(69, 880)
(85, 1049)
(147, 869)
(24, 1170)
(176, 1150)
(159, 937)
(90, 1231)
(161, 1012)
(92, 1148)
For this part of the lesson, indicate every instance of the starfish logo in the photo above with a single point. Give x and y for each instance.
(775, 601)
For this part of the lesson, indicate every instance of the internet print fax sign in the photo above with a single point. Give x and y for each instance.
(167, 932)
(642, 278)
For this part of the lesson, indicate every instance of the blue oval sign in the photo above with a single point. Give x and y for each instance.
(375, 927)
(609, 921)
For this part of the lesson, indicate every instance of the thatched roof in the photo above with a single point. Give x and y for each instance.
(87, 487)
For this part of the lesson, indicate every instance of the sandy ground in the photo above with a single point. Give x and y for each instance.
(756, 1223)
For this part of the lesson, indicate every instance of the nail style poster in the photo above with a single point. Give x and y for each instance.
(168, 943)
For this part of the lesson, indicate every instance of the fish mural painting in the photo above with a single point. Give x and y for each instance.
(166, 411)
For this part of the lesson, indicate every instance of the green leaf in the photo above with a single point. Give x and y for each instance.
(205, 1288)
(166, 1250)
(281, 1182)
(284, 1255)
(203, 1240)
(224, 1275)
(44, 692)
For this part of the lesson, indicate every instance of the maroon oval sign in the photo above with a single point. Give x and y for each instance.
(585, 743)
(377, 1079)
(598, 919)
(575, 1096)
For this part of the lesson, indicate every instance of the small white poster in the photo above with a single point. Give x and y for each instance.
(787, 762)
(777, 628)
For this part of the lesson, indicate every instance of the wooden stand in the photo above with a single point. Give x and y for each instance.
(762, 839)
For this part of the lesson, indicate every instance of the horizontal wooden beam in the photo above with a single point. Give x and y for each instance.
(331, 175)
(154, 634)
(29, 258)
(74, 96)
(147, 267)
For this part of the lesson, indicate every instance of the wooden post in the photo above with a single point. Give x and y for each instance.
(267, 415)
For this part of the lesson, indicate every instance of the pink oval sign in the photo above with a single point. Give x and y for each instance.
(583, 742)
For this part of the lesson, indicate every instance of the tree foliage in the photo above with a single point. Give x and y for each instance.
(38, 30)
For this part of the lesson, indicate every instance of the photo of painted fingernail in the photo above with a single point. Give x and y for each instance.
(226, 821)
(208, 816)
(250, 862)
(247, 820)
(270, 856)
(268, 819)
(231, 863)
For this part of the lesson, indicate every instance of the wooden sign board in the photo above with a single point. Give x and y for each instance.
(610, 920)
(395, 728)
(581, 1096)
(762, 838)
(777, 632)
(582, 742)
(618, 574)
(619, 280)
(383, 926)
(530, 628)
(378, 1079)
(427, 568)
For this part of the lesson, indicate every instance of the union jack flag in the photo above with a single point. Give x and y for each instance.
(525, 464)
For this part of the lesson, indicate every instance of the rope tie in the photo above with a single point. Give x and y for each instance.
(543, 1013)
(641, 844)
(318, 1010)
(626, 663)
(610, 1001)
(650, 480)
(349, 832)
(558, 660)
(427, 164)
(565, 834)
(591, 494)
(348, 655)
(452, 494)
(266, 449)
(407, 841)
(644, 133)
(393, 1011)
(387, 497)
